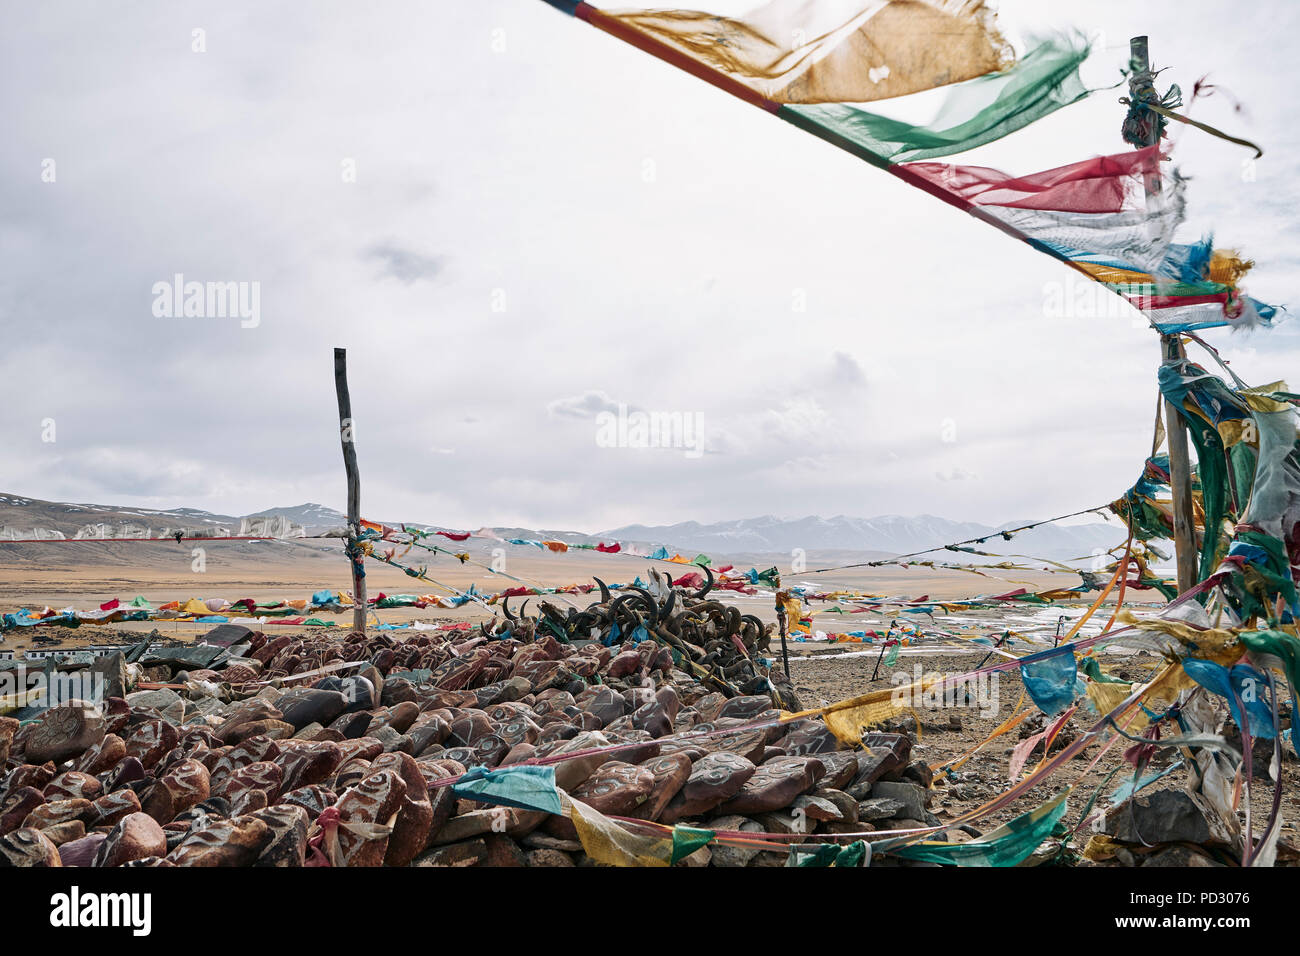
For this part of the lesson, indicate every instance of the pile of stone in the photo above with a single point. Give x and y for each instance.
(236, 763)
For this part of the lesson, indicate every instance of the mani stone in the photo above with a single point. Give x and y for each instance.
(308, 762)
(150, 740)
(306, 705)
(17, 804)
(73, 784)
(182, 787)
(607, 705)
(714, 779)
(65, 832)
(28, 847)
(717, 777)
(134, 837)
(670, 773)
(234, 842)
(288, 827)
(616, 788)
(82, 852)
(59, 811)
(745, 708)
(415, 813)
(102, 756)
(364, 812)
(8, 727)
(313, 799)
(775, 785)
(841, 767)
(63, 732)
(112, 807)
(808, 737)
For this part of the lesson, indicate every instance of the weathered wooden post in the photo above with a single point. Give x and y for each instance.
(348, 440)
(783, 627)
(1141, 87)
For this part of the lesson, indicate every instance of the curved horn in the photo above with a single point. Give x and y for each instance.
(604, 590)
(651, 605)
(505, 609)
(708, 585)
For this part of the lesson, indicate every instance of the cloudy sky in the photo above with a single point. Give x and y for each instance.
(515, 223)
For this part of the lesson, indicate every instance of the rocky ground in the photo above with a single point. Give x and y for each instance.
(825, 675)
(236, 763)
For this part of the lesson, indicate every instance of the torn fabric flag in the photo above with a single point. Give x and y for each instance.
(831, 51)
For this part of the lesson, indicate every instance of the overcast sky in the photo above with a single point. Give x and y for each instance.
(514, 222)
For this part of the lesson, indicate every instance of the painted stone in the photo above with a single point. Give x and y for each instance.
(127, 772)
(775, 785)
(352, 724)
(135, 836)
(82, 852)
(745, 708)
(415, 813)
(670, 772)
(313, 798)
(309, 762)
(307, 705)
(288, 844)
(112, 807)
(65, 832)
(808, 737)
(400, 717)
(616, 788)
(63, 732)
(15, 807)
(225, 842)
(841, 767)
(73, 784)
(59, 811)
(35, 776)
(656, 716)
(102, 756)
(8, 727)
(26, 847)
(364, 814)
(263, 775)
(150, 740)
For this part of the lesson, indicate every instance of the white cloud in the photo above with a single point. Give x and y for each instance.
(500, 272)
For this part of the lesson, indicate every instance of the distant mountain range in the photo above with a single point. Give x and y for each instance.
(23, 517)
(889, 534)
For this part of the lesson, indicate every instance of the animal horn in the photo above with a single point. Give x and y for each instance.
(708, 586)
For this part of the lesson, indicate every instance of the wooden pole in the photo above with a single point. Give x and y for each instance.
(1171, 351)
(1180, 477)
(347, 439)
(783, 627)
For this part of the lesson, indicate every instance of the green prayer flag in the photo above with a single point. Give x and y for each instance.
(976, 112)
(1008, 845)
(686, 840)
